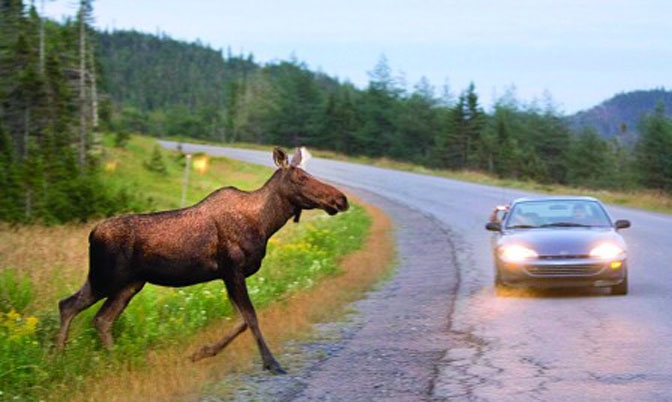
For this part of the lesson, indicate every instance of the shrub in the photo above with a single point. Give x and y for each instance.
(16, 292)
(155, 163)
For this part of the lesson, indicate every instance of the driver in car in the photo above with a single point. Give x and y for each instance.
(580, 215)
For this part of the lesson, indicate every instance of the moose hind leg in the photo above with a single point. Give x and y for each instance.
(237, 290)
(212, 350)
(111, 309)
(71, 306)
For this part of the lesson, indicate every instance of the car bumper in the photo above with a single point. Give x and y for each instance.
(563, 273)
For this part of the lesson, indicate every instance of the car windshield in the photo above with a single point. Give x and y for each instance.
(557, 213)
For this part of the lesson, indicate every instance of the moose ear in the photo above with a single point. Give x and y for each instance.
(300, 158)
(280, 158)
(296, 158)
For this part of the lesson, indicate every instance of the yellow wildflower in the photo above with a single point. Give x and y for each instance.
(13, 315)
(31, 323)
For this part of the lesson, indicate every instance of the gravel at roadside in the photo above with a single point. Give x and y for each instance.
(389, 346)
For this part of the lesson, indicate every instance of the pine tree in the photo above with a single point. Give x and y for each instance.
(84, 79)
(503, 146)
(340, 120)
(476, 153)
(10, 196)
(551, 138)
(378, 106)
(156, 163)
(654, 150)
(418, 121)
(588, 158)
(41, 173)
(295, 110)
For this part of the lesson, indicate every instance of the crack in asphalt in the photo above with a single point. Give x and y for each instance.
(541, 370)
(454, 291)
(463, 362)
(465, 366)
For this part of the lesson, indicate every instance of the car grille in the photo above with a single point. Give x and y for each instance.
(564, 270)
(563, 257)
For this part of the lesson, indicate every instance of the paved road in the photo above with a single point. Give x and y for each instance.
(390, 347)
(580, 346)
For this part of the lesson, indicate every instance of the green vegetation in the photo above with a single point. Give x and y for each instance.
(653, 151)
(55, 103)
(126, 169)
(158, 317)
(48, 120)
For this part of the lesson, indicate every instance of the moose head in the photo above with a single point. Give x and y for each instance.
(302, 189)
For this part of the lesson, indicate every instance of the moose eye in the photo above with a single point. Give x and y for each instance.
(300, 177)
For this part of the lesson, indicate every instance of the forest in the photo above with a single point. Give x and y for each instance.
(49, 131)
(64, 84)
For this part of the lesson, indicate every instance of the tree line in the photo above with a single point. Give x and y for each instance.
(62, 83)
(48, 119)
(229, 98)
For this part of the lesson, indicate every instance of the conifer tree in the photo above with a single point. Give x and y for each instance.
(654, 150)
(41, 173)
(378, 106)
(155, 163)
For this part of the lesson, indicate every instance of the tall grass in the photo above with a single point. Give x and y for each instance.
(158, 317)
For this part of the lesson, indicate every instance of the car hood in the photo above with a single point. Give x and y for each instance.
(562, 241)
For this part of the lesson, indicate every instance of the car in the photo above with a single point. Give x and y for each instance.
(559, 242)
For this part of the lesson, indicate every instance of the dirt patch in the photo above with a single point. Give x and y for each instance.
(390, 346)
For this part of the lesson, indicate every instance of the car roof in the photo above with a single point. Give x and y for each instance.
(555, 198)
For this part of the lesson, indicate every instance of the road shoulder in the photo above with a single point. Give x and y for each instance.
(390, 345)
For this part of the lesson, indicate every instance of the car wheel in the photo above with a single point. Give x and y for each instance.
(621, 288)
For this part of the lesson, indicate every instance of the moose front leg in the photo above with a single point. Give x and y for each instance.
(237, 290)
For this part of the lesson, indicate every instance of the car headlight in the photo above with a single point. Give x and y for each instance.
(516, 253)
(607, 251)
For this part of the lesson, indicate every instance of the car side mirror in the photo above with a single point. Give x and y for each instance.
(622, 224)
(493, 226)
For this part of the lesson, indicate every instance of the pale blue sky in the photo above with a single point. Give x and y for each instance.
(581, 51)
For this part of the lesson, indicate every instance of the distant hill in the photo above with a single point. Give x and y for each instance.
(621, 114)
(152, 72)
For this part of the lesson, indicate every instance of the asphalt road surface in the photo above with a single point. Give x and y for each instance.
(525, 346)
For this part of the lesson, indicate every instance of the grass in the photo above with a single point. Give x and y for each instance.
(39, 265)
(124, 169)
(169, 375)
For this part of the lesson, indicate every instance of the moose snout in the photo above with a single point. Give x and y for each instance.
(342, 203)
(336, 203)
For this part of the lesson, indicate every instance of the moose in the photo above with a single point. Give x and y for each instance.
(224, 236)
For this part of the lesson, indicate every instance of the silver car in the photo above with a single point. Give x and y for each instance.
(559, 242)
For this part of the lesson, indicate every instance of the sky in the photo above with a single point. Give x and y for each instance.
(581, 52)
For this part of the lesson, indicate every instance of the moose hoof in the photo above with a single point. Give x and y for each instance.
(275, 368)
(205, 351)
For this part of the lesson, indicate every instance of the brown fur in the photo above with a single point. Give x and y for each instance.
(222, 237)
